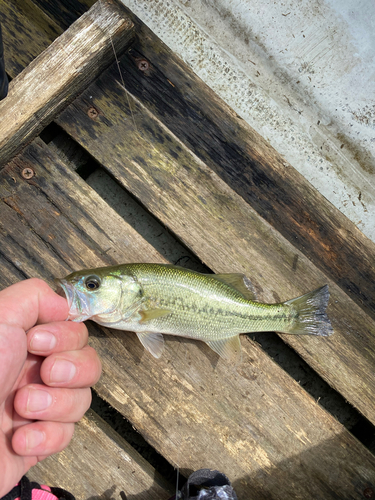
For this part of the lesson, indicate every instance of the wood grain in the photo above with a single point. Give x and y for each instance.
(59, 74)
(224, 231)
(64, 13)
(229, 146)
(26, 33)
(100, 464)
(252, 421)
(250, 166)
(194, 113)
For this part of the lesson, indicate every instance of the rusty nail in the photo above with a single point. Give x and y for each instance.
(368, 493)
(27, 173)
(143, 65)
(92, 112)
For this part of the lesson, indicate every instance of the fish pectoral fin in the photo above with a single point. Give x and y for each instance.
(229, 349)
(148, 315)
(239, 282)
(153, 342)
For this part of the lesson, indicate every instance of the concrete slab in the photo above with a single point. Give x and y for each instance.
(300, 73)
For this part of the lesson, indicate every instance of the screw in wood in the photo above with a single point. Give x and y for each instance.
(92, 112)
(368, 493)
(143, 65)
(27, 173)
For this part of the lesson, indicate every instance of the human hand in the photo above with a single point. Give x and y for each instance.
(45, 377)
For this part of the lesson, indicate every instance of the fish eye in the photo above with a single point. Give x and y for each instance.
(92, 283)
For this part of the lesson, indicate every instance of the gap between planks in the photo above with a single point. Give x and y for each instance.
(254, 423)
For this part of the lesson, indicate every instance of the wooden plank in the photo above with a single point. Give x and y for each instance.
(244, 160)
(247, 163)
(26, 33)
(53, 224)
(223, 230)
(99, 462)
(60, 73)
(64, 13)
(252, 422)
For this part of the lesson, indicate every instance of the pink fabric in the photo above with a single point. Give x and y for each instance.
(44, 494)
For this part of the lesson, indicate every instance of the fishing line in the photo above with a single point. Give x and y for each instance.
(139, 135)
(123, 86)
(122, 79)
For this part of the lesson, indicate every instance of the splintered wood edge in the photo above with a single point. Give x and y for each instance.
(60, 73)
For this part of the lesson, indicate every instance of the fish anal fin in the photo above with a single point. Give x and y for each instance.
(148, 315)
(240, 282)
(152, 342)
(229, 349)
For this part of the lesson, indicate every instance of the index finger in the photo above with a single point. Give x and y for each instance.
(31, 302)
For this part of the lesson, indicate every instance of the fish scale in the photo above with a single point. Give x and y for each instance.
(156, 299)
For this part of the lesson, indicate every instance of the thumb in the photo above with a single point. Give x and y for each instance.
(13, 352)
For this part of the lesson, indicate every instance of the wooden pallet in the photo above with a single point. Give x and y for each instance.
(231, 200)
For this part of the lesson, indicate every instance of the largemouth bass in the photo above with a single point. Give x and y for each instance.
(156, 299)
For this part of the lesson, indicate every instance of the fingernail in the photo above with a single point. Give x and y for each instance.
(38, 400)
(43, 341)
(34, 438)
(62, 371)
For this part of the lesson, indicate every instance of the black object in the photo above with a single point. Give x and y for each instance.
(206, 484)
(24, 489)
(3, 75)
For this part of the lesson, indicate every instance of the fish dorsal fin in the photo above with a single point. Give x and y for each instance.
(229, 349)
(153, 342)
(150, 314)
(239, 282)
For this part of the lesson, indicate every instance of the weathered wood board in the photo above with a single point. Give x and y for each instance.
(231, 148)
(253, 422)
(222, 229)
(204, 123)
(247, 163)
(27, 31)
(59, 74)
(100, 464)
(64, 13)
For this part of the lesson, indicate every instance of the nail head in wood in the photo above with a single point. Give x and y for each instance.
(92, 113)
(27, 173)
(143, 65)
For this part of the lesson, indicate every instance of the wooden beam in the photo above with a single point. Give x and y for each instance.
(60, 73)
(98, 463)
(27, 31)
(253, 421)
(227, 234)
(249, 165)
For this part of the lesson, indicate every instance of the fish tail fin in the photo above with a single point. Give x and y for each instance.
(310, 316)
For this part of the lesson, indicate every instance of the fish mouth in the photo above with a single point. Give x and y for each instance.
(79, 306)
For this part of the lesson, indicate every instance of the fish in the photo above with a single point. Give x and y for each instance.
(155, 299)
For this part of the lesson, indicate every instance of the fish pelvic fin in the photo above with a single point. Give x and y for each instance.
(153, 342)
(310, 313)
(229, 348)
